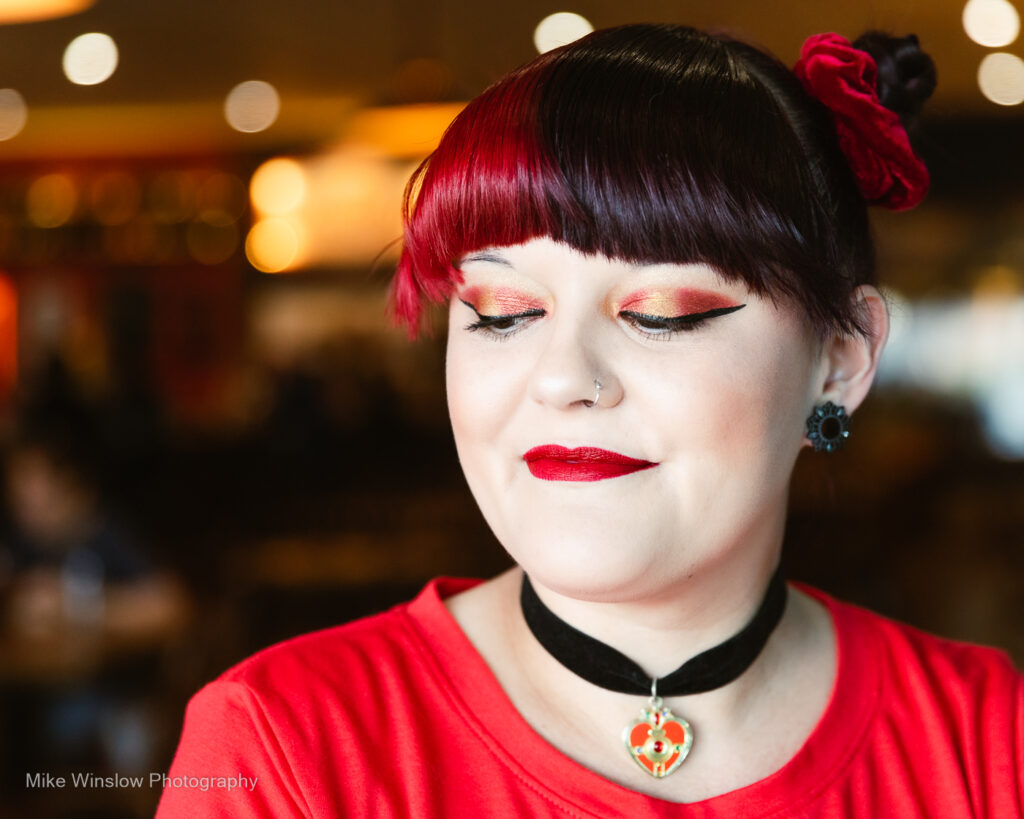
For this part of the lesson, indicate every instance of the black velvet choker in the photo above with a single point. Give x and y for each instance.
(606, 667)
(659, 741)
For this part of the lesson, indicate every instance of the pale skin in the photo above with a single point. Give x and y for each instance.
(661, 563)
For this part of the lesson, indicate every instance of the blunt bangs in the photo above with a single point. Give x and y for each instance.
(650, 144)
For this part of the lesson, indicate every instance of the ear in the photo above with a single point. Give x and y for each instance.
(849, 362)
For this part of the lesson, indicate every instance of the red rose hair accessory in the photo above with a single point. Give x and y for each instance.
(871, 136)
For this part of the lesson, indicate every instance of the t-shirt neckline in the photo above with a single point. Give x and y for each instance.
(475, 690)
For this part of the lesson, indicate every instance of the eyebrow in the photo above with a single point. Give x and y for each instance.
(486, 256)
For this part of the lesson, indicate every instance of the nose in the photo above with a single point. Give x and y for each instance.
(569, 371)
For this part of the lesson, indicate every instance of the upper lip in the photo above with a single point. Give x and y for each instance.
(587, 454)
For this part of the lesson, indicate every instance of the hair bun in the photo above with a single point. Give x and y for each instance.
(906, 74)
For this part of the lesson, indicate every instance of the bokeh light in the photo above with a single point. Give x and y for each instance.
(114, 197)
(141, 240)
(1001, 78)
(272, 245)
(13, 113)
(402, 131)
(223, 192)
(171, 196)
(252, 106)
(90, 58)
(30, 11)
(278, 186)
(1003, 419)
(560, 29)
(991, 23)
(212, 237)
(51, 200)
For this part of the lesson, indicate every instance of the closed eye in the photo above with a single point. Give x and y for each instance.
(500, 327)
(663, 327)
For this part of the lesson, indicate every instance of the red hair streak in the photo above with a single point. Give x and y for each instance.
(648, 144)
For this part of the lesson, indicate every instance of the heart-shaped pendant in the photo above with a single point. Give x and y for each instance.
(659, 741)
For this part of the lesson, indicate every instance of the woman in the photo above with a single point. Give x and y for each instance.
(654, 248)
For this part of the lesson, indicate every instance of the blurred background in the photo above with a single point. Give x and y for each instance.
(211, 437)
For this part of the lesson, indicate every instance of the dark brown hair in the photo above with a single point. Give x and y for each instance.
(652, 144)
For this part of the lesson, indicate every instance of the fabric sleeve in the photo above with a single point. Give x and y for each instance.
(230, 761)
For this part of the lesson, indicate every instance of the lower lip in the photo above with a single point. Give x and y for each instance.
(550, 469)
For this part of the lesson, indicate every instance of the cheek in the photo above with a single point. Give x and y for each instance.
(744, 407)
(481, 398)
(465, 418)
(765, 403)
(480, 392)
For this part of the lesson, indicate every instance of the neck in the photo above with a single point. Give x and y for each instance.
(660, 632)
(602, 665)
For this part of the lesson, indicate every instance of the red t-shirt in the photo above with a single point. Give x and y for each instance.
(398, 715)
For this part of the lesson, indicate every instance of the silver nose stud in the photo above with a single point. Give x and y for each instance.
(597, 395)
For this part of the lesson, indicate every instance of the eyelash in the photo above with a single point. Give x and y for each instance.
(670, 325)
(490, 324)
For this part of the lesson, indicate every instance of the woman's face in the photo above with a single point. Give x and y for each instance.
(712, 410)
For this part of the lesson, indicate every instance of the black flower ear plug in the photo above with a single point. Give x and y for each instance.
(828, 427)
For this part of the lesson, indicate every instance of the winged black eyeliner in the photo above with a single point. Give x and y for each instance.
(692, 317)
(534, 312)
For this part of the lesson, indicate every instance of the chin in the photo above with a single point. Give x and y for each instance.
(586, 568)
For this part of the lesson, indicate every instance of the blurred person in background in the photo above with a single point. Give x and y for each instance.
(84, 606)
(654, 248)
(62, 544)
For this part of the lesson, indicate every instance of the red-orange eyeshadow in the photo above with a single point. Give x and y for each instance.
(680, 301)
(499, 301)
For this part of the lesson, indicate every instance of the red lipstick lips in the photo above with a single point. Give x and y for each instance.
(558, 463)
